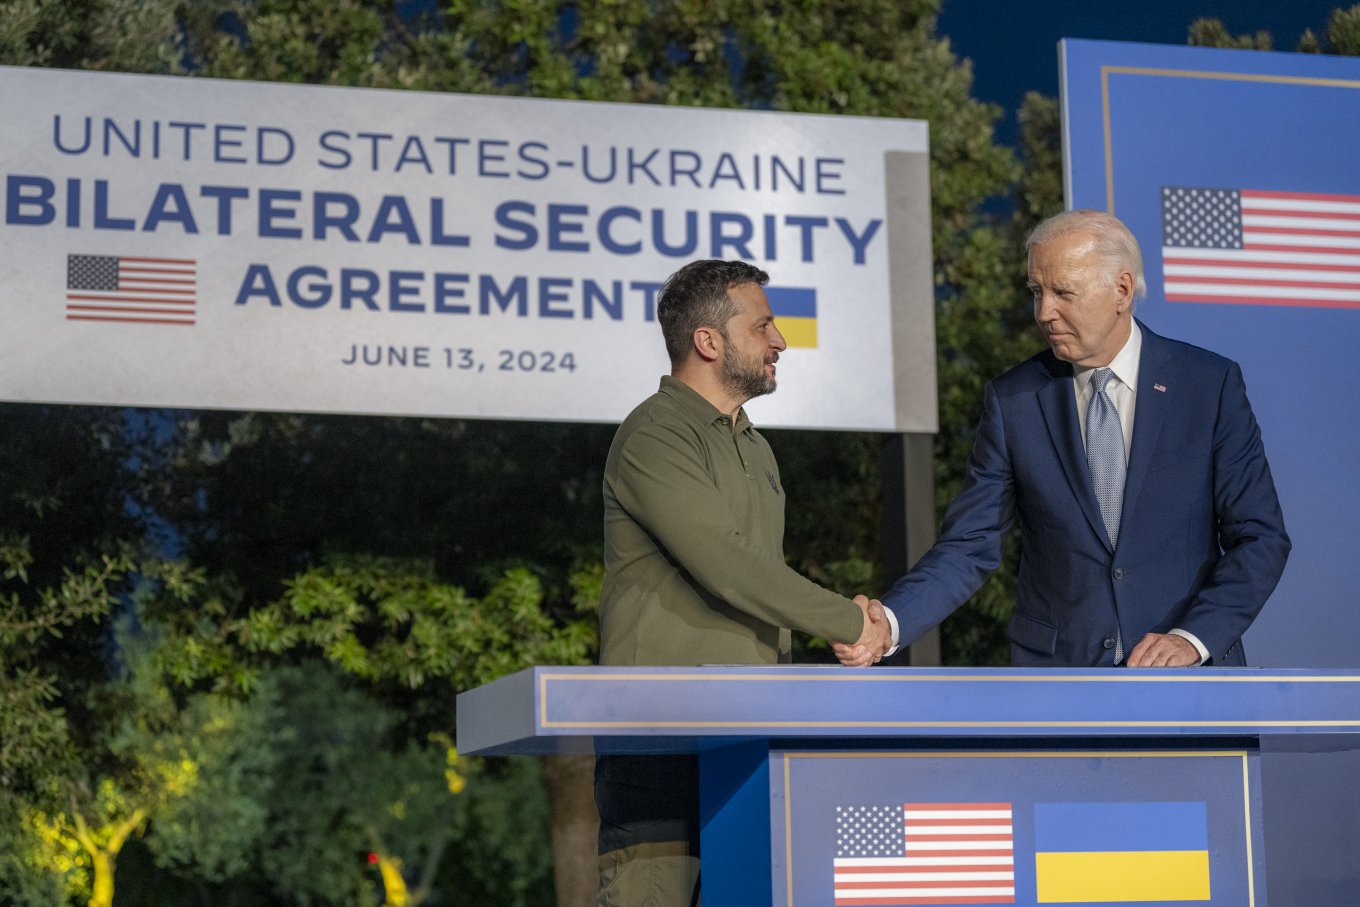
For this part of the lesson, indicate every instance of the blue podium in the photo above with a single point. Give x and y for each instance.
(827, 786)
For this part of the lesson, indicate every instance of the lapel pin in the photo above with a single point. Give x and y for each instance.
(1160, 388)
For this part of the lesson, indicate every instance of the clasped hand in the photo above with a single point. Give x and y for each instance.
(874, 640)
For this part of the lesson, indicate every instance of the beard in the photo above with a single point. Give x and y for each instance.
(744, 377)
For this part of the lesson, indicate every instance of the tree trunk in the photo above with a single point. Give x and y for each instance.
(101, 864)
(575, 826)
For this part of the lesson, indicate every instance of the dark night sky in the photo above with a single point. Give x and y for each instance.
(1014, 43)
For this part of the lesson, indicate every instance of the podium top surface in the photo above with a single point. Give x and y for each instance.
(680, 709)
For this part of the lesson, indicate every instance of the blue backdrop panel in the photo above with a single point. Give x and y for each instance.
(1140, 120)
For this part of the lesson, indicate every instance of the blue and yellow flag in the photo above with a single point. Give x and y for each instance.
(795, 314)
(1121, 852)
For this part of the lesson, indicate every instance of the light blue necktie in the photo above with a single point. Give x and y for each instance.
(1105, 456)
(1105, 452)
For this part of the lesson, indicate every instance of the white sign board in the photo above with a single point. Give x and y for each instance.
(193, 243)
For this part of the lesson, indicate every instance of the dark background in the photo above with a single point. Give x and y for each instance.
(1014, 45)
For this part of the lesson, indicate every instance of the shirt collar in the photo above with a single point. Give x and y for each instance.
(1124, 366)
(698, 408)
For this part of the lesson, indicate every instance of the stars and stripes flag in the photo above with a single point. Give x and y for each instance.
(1262, 248)
(925, 853)
(122, 288)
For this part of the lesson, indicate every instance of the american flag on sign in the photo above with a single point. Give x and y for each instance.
(1263, 248)
(140, 290)
(925, 853)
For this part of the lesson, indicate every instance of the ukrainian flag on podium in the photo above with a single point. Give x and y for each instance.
(1104, 853)
(795, 314)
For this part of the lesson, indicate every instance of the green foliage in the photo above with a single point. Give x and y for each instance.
(35, 742)
(1213, 33)
(501, 825)
(348, 782)
(331, 772)
(132, 761)
(388, 621)
(62, 568)
(254, 496)
(34, 32)
(62, 573)
(314, 845)
(140, 35)
(1342, 35)
(1040, 192)
(37, 869)
(212, 830)
(1343, 31)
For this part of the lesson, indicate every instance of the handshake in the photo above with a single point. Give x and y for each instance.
(874, 641)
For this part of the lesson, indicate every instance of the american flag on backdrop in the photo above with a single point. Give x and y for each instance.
(1263, 248)
(140, 290)
(925, 853)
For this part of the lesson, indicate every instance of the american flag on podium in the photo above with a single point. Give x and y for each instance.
(127, 289)
(925, 853)
(1256, 247)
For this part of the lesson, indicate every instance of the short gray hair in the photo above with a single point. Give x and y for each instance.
(1114, 244)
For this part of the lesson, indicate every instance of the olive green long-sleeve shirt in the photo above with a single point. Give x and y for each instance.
(694, 544)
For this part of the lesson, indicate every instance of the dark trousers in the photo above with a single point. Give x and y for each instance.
(649, 830)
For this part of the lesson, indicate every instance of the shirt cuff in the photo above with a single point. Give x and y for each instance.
(1183, 634)
(892, 621)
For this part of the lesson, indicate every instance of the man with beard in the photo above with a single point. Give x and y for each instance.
(694, 561)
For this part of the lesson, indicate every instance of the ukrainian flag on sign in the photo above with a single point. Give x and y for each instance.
(1121, 852)
(795, 314)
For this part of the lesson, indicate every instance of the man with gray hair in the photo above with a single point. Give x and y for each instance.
(694, 561)
(1151, 535)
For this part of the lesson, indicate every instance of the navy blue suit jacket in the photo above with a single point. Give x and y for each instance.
(1201, 539)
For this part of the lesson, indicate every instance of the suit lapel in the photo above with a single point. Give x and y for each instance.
(1151, 408)
(1058, 401)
